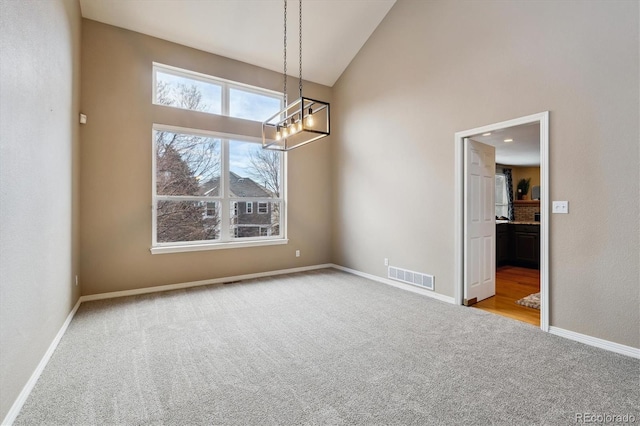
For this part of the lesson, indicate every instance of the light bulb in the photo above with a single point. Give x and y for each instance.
(310, 118)
(293, 129)
(284, 132)
(278, 135)
(299, 125)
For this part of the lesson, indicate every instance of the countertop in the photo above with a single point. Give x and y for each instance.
(499, 222)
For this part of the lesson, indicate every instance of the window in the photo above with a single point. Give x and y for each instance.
(210, 210)
(179, 88)
(197, 174)
(502, 201)
(206, 185)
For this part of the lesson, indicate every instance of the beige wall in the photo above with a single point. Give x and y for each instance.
(39, 105)
(518, 173)
(116, 168)
(433, 68)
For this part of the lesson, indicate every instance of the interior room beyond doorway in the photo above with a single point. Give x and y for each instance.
(518, 218)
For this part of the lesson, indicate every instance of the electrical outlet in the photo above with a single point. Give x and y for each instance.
(560, 207)
(386, 262)
(297, 253)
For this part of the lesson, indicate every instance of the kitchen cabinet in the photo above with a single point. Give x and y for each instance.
(502, 244)
(518, 245)
(525, 241)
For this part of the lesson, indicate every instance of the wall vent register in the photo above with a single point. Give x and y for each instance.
(411, 277)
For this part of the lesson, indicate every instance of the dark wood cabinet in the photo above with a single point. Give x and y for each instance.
(518, 245)
(502, 244)
(526, 246)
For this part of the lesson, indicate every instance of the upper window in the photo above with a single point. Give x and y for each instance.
(502, 201)
(185, 89)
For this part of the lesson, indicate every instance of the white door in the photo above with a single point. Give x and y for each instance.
(479, 221)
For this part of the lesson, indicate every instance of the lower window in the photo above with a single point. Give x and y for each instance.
(210, 189)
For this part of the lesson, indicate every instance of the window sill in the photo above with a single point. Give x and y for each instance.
(216, 246)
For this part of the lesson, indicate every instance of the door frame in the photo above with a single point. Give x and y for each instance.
(542, 119)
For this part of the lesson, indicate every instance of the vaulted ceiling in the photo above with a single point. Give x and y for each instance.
(252, 30)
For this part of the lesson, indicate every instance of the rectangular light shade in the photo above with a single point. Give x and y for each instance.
(302, 121)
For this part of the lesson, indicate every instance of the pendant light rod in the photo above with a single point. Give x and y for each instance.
(300, 46)
(284, 92)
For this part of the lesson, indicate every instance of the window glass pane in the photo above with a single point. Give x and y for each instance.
(183, 92)
(187, 164)
(187, 221)
(252, 106)
(246, 225)
(254, 172)
(502, 209)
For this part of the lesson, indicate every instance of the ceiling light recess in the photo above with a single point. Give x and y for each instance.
(486, 134)
(508, 140)
(301, 121)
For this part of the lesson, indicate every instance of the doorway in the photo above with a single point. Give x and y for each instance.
(461, 202)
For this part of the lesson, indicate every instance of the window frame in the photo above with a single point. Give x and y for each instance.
(266, 207)
(226, 202)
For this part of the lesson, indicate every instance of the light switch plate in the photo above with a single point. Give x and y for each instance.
(560, 207)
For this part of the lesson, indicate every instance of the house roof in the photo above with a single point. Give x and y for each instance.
(239, 187)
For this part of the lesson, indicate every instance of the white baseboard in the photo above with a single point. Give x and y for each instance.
(26, 390)
(594, 341)
(179, 286)
(397, 284)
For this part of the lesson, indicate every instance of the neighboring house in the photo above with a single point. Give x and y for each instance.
(248, 218)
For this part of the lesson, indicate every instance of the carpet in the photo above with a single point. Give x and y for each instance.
(318, 348)
(531, 301)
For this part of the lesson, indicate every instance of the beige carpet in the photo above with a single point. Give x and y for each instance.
(318, 348)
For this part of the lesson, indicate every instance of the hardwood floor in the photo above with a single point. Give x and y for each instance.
(513, 283)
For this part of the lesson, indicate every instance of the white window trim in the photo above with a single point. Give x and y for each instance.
(248, 207)
(226, 241)
(264, 241)
(266, 207)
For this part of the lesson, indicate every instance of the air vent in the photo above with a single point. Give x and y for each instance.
(411, 277)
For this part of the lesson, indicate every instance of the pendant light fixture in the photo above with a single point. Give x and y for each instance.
(301, 121)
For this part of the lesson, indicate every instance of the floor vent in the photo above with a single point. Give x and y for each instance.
(411, 277)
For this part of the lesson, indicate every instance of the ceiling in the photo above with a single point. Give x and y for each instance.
(252, 30)
(523, 151)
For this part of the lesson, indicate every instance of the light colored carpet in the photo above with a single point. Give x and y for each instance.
(531, 301)
(322, 347)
